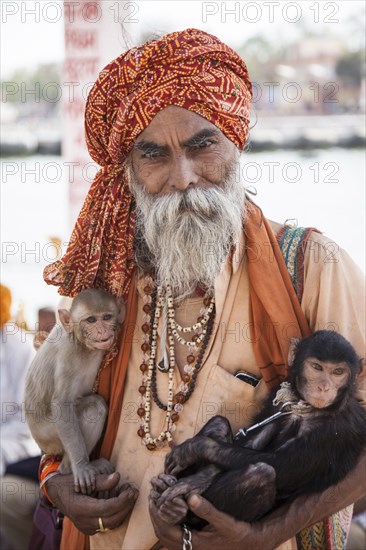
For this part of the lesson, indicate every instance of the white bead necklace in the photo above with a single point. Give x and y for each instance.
(147, 389)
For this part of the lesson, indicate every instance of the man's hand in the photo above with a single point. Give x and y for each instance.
(84, 511)
(268, 533)
(222, 532)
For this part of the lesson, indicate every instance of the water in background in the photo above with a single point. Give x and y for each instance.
(324, 189)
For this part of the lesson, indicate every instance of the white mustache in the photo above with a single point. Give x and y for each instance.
(189, 233)
(208, 202)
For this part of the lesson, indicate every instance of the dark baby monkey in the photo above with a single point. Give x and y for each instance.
(315, 441)
(63, 414)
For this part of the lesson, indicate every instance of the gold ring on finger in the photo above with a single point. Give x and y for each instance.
(101, 529)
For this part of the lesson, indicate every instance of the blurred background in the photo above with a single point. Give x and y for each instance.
(305, 159)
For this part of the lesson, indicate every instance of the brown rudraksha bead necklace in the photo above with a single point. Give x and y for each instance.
(155, 299)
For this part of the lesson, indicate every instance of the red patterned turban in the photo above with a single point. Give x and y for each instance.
(189, 69)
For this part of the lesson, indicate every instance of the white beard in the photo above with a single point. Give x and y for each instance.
(185, 237)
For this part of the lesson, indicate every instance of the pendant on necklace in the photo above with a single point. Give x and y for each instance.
(162, 367)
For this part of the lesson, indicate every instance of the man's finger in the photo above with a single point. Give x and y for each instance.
(205, 510)
(200, 506)
(106, 482)
(109, 507)
(115, 520)
(116, 505)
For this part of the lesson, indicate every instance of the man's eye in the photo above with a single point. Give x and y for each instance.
(204, 144)
(91, 319)
(151, 155)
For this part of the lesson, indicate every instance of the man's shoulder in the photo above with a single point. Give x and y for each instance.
(306, 250)
(315, 235)
(276, 227)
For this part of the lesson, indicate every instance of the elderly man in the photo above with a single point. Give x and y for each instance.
(167, 225)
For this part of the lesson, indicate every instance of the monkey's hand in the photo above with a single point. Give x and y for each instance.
(85, 478)
(169, 502)
(103, 466)
(85, 475)
(175, 509)
(197, 450)
(84, 510)
(160, 484)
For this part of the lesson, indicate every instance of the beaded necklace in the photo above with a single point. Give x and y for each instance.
(155, 300)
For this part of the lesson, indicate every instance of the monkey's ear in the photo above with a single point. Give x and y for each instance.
(121, 310)
(362, 368)
(292, 350)
(65, 318)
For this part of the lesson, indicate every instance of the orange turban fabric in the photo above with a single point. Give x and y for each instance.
(189, 69)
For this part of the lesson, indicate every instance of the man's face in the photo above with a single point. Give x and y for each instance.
(190, 203)
(181, 150)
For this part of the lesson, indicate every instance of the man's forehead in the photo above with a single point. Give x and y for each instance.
(180, 122)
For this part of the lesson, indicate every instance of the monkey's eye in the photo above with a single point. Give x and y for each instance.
(107, 317)
(338, 371)
(91, 319)
(316, 366)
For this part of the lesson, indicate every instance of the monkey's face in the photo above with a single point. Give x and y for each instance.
(321, 381)
(96, 330)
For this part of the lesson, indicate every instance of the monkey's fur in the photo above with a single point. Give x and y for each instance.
(296, 454)
(63, 414)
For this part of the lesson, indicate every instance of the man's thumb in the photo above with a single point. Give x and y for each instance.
(201, 507)
(106, 482)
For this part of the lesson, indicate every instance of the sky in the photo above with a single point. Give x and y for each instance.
(33, 31)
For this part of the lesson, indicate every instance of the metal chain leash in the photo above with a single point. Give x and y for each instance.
(187, 538)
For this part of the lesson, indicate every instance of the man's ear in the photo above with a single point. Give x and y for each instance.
(128, 171)
(292, 351)
(65, 319)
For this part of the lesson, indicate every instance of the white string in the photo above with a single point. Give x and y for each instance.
(164, 335)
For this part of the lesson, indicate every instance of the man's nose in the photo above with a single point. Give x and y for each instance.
(182, 173)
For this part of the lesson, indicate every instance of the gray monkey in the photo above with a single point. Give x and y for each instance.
(63, 414)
